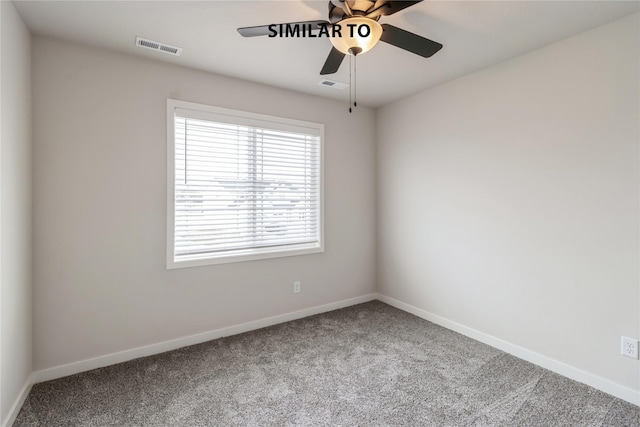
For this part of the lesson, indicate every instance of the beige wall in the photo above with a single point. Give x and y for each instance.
(15, 209)
(509, 201)
(100, 282)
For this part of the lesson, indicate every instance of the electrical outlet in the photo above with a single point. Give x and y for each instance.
(296, 287)
(629, 347)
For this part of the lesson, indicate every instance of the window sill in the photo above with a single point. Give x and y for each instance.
(243, 256)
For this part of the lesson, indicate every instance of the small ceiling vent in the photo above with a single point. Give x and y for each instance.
(150, 44)
(332, 84)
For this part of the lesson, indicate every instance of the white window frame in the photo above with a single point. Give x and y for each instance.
(236, 117)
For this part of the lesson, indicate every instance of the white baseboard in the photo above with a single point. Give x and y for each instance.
(617, 390)
(17, 405)
(150, 350)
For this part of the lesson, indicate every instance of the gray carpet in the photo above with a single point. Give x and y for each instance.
(365, 365)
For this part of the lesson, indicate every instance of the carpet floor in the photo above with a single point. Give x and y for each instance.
(366, 365)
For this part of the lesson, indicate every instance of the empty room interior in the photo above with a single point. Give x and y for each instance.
(345, 212)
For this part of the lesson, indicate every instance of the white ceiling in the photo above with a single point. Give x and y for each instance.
(475, 35)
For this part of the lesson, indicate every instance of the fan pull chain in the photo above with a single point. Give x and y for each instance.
(350, 86)
(355, 78)
(353, 60)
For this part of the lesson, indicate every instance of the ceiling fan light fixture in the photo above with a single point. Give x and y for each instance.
(357, 35)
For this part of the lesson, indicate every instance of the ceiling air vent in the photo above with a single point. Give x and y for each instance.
(331, 83)
(150, 44)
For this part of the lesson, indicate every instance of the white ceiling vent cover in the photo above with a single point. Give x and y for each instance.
(161, 47)
(332, 84)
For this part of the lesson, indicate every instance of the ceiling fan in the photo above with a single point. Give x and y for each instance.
(353, 29)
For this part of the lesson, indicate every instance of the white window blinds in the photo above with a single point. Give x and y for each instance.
(244, 186)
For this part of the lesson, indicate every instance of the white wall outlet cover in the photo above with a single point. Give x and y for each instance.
(629, 347)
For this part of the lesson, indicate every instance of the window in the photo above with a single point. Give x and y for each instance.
(241, 186)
